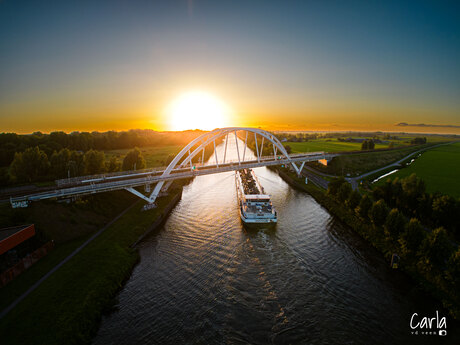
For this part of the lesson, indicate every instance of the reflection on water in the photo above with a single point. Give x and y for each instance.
(205, 279)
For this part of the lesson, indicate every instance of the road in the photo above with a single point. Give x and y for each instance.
(354, 181)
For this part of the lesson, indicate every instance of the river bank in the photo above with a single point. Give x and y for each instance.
(364, 231)
(68, 306)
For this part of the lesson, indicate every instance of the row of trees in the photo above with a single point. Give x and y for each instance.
(430, 253)
(418, 141)
(409, 195)
(368, 145)
(34, 164)
(10, 143)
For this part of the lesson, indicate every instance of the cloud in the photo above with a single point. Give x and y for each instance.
(405, 124)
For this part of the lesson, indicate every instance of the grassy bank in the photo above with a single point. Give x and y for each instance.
(428, 282)
(67, 307)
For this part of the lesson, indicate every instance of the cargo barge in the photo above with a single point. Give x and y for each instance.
(255, 206)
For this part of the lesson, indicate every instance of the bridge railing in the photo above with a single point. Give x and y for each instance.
(156, 170)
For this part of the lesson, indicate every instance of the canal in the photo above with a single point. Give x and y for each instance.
(204, 279)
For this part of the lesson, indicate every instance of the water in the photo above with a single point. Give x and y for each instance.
(204, 279)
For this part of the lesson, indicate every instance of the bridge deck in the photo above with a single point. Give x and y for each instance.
(97, 184)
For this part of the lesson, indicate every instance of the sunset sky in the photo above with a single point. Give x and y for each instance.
(280, 65)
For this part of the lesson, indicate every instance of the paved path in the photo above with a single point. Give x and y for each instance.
(75, 252)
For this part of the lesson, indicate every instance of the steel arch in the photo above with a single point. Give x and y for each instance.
(210, 137)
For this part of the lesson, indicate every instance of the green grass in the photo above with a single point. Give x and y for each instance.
(328, 146)
(155, 156)
(67, 307)
(360, 163)
(21, 283)
(439, 168)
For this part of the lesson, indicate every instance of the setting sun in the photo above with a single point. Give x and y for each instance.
(197, 110)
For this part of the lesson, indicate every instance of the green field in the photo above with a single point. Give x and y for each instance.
(331, 145)
(155, 156)
(439, 168)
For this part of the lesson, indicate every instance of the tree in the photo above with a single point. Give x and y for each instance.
(94, 162)
(435, 250)
(364, 145)
(379, 212)
(344, 192)
(134, 160)
(353, 200)
(113, 165)
(418, 141)
(412, 237)
(76, 164)
(364, 207)
(288, 149)
(60, 162)
(413, 188)
(445, 212)
(334, 185)
(29, 166)
(453, 271)
(394, 224)
(371, 144)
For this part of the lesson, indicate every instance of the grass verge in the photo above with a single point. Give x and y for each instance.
(67, 307)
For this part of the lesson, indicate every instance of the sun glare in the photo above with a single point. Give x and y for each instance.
(197, 110)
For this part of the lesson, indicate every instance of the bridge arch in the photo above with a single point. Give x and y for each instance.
(185, 156)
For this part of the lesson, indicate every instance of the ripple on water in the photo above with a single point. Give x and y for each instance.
(205, 279)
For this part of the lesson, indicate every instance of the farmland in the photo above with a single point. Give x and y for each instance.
(155, 156)
(439, 168)
(327, 146)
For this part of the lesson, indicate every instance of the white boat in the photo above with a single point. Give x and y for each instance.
(255, 206)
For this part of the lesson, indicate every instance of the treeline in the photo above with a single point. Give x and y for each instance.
(35, 165)
(10, 143)
(302, 137)
(418, 141)
(400, 218)
(368, 145)
(409, 195)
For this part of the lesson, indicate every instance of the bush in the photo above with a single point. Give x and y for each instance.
(353, 200)
(94, 162)
(134, 160)
(364, 207)
(344, 192)
(30, 165)
(334, 185)
(435, 250)
(378, 213)
(394, 224)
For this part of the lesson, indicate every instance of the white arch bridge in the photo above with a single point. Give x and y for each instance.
(182, 166)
